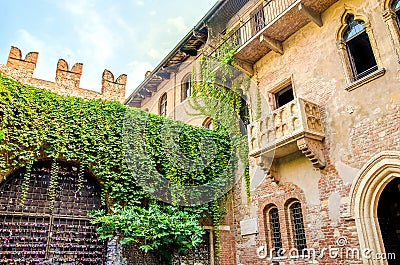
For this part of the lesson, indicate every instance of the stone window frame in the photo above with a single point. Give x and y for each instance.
(162, 104)
(185, 80)
(278, 87)
(390, 18)
(290, 226)
(351, 83)
(267, 227)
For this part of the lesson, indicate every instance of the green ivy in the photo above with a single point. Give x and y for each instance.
(37, 124)
(218, 94)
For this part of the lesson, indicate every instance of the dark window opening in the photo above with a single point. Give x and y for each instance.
(284, 96)
(298, 227)
(163, 105)
(361, 56)
(389, 219)
(275, 227)
(359, 49)
(186, 89)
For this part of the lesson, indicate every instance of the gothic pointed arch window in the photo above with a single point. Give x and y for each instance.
(358, 50)
(163, 105)
(44, 219)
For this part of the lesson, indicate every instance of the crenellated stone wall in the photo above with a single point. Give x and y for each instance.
(67, 80)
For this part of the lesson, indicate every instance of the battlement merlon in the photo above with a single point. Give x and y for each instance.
(67, 81)
(15, 60)
(113, 88)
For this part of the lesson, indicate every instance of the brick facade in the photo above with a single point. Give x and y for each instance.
(360, 120)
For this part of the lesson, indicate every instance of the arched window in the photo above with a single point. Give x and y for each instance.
(359, 49)
(163, 105)
(396, 9)
(273, 228)
(186, 87)
(297, 224)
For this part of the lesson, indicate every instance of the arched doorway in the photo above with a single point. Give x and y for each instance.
(389, 218)
(52, 225)
(370, 194)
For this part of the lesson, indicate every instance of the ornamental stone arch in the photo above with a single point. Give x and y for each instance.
(364, 199)
(343, 52)
(390, 18)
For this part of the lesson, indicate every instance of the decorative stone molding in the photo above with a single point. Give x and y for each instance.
(364, 198)
(344, 57)
(372, 76)
(295, 126)
(390, 18)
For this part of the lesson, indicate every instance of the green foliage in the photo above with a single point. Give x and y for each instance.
(218, 94)
(37, 124)
(163, 227)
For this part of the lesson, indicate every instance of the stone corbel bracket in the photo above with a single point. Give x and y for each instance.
(313, 150)
(269, 166)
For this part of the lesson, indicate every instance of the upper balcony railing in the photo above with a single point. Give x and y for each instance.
(270, 11)
(296, 125)
(268, 27)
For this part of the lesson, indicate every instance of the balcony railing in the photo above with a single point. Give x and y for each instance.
(270, 11)
(296, 125)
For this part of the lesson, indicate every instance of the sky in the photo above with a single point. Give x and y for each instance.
(124, 36)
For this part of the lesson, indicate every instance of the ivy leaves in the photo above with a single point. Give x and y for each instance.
(37, 124)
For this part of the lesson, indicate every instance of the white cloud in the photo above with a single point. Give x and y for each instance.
(137, 71)
(157, 53)
(78, 7)
(27, 42)
(139, 3)
(178, 23)
(153, 13)
(97, 40)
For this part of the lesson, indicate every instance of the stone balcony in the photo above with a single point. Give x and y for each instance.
(295, 126)
(270, 25)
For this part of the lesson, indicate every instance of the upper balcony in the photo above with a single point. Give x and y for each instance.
(295, 126)
(271, 24)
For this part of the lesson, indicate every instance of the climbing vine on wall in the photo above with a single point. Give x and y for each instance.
(37, 124)
(222, 92)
